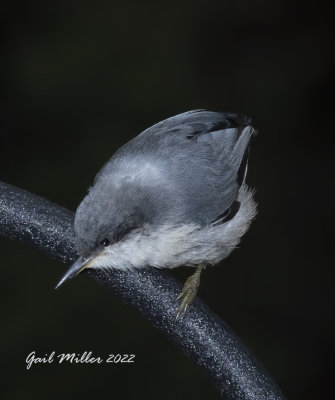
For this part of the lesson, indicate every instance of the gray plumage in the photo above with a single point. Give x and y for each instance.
(174, 195)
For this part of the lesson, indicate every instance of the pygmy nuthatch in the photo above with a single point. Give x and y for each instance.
(174, 195)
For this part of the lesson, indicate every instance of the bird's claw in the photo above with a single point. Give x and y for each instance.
(187, 295)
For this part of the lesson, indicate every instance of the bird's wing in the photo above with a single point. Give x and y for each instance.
(223, 136)
(206, 155)
(202, 157)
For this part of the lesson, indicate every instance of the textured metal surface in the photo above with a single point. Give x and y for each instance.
(200, 334)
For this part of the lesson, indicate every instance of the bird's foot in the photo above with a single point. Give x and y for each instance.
(188, 292)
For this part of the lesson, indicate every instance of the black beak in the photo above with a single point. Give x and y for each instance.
(76, 268)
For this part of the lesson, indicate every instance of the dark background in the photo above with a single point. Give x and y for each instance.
(79, 80)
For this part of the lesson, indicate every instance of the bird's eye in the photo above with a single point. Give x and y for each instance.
(105, 242)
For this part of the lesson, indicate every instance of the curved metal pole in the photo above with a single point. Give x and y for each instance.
(200, 334)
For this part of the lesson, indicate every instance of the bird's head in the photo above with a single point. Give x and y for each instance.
(106, 216)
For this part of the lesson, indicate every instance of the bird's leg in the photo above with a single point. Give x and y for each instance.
(189, 291)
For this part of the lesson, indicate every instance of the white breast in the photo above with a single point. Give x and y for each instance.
(172, 246)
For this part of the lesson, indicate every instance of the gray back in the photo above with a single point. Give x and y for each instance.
(187, 168)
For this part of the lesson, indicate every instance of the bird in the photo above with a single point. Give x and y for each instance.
(175, 195)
